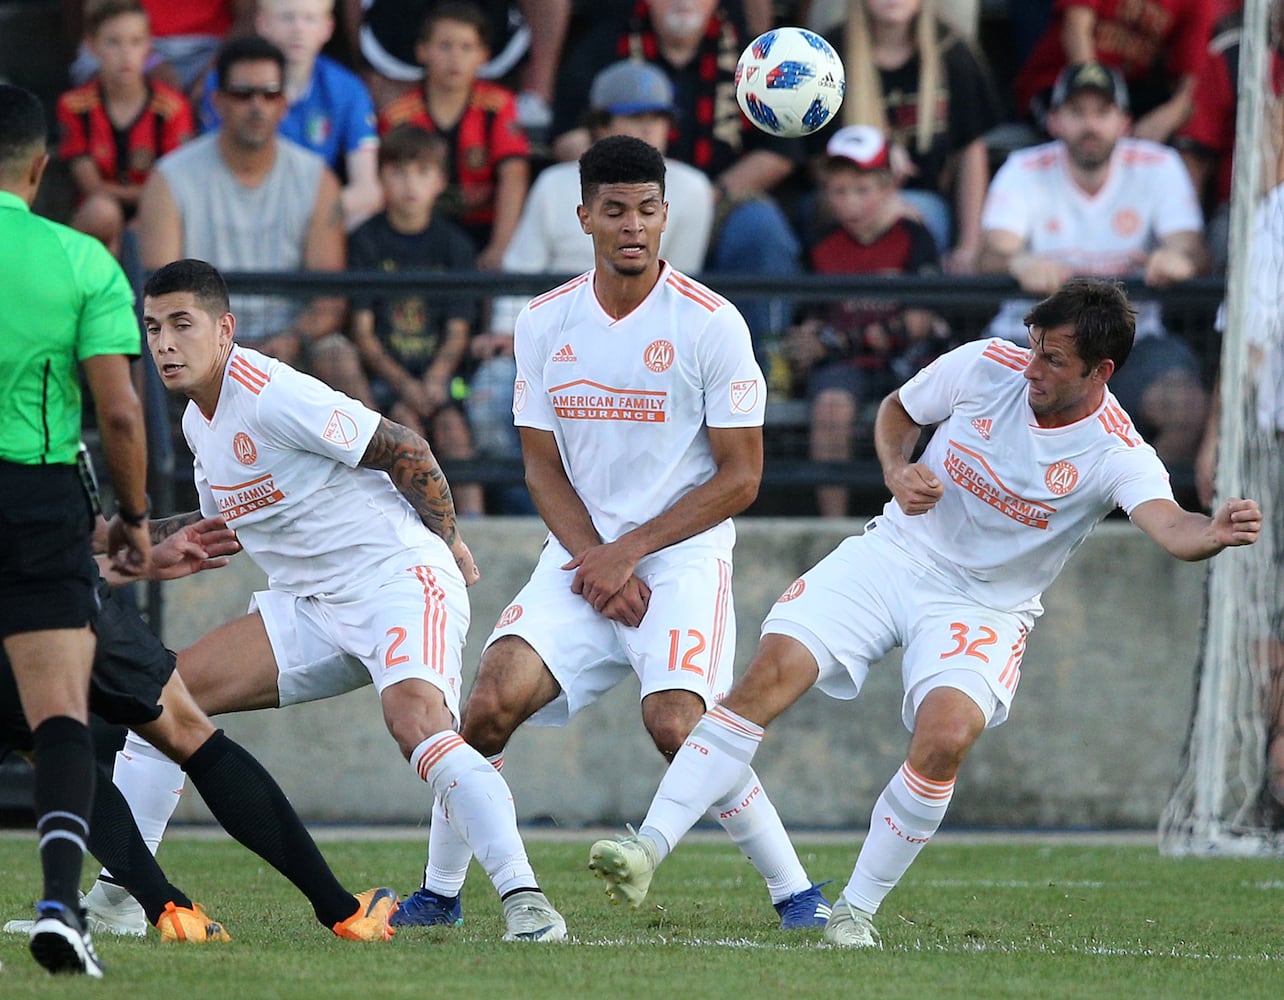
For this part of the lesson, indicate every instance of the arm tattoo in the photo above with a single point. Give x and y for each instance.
(165, 527)
(410, 464)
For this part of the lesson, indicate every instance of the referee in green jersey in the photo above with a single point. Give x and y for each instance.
(66, 306)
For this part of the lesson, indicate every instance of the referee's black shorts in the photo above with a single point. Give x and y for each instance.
(47, 571)
(131, 666)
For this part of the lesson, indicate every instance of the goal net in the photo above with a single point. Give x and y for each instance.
(1229, 797)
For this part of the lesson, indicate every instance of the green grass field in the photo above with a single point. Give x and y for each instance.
(992, 919)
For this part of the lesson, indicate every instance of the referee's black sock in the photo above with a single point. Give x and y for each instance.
(115, 841)
(64, 790)
(250, 805)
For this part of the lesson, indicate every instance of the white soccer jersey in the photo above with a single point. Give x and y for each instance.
(1147, 196)
(628, 400)
(279, 462)
(1019, 498)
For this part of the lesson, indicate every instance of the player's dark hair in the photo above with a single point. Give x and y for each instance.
(1098, 311)
(460, 12)
(413, 143)
(247, 48)
(619, 159)
(196, 276)
(23, 131)
(99, 12)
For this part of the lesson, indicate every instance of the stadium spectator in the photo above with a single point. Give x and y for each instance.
(697, 43)
(68, 308)
(641, 411)
(1030, 452)
(114, 128)
(246, 199)
(412, 345)
(329, 108)
(626, 98)
(526, 39)
(1158, 46)
(856, 351)
(894, 52)
(489, 165)
(1093, 202)
(185, 37)
(1207, 139)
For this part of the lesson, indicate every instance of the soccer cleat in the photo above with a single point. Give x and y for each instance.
(849, 927)
(427, 909)
(808, 908)
(192, 926)
(370, 923)
(60, 941)
(531, 917)
(109, 909)
(627, 865)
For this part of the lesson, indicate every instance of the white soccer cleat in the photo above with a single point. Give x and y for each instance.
(849, 927)
(531, 917)
(626, 865)
(109, 909)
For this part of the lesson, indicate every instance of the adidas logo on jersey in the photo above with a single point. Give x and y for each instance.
(983, 427)
(565, 354)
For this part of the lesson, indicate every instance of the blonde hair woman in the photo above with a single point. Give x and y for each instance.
(895, 52)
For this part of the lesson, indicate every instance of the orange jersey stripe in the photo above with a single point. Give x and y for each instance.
(705, 296)
(1011, 674)
(549, 296)
(1116, 422)
(1010, 357)
(240, 486)
(434, 625)
(719, 621)
(247, 369)
(694, 293)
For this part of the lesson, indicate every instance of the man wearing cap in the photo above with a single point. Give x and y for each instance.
(627, 98)
(1097, 202)
(1157, 46)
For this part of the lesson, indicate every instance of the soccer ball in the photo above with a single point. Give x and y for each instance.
(790, 82)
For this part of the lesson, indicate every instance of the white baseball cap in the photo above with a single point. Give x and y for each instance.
(862, 145)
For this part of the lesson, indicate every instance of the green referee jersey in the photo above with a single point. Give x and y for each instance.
(63, 298)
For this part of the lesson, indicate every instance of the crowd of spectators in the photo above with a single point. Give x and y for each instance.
(440, 136)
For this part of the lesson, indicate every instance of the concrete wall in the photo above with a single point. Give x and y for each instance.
(1094, 738)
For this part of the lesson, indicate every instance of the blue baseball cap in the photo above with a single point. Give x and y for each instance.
(631, 88)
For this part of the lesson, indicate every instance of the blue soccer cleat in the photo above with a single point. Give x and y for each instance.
(427, 909)
(808, 908)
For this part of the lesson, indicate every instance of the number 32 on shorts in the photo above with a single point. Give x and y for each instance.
(968, 642)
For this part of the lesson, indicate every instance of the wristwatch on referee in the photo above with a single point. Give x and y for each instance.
(132, 518)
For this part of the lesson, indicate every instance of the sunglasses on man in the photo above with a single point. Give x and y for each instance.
(245, 93)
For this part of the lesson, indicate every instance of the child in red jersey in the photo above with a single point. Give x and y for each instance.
(856, 351)
(117, 125)
(489, 166)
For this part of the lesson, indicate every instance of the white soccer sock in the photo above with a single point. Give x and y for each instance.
(712, 764)
(754, 826)
(152, 785)
(448, 853)
(478, 805)
(905, 816)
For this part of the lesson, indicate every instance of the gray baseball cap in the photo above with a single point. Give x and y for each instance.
(631, 88)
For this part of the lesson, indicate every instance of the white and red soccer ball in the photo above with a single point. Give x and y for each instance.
(790, 82)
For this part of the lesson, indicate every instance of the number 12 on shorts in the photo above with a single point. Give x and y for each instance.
(693, 644)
